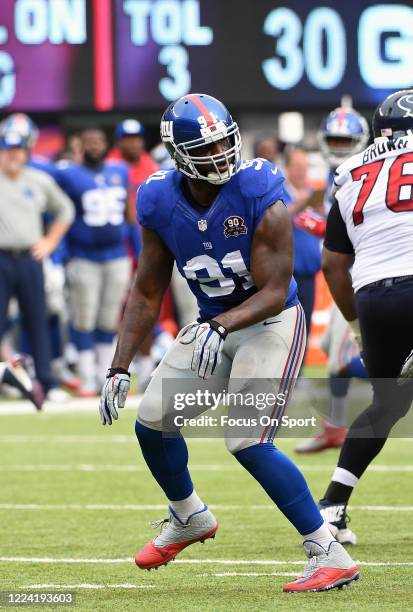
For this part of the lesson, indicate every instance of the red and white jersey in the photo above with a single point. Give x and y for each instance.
(374, 191)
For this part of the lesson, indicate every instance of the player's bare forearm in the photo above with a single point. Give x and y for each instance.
(138, 320)
(336, 269)
(271, 270)
(144, 302)
(261, 306)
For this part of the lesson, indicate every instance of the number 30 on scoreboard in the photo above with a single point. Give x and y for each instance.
(384, 47)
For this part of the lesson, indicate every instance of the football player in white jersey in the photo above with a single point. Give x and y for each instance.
(370, 229)
(343, 133)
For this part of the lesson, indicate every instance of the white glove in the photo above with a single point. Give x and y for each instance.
(406, 373)
(209, 339)
(114, 394)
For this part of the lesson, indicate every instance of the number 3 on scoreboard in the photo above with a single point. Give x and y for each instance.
(399, 183)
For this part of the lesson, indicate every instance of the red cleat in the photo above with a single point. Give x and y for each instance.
(64, 376)
(332, 436)
(84, 392)
(72, 384)
(175, 537)
(324, 570)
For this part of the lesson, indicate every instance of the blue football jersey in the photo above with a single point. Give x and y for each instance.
(212, 247)
(100, 229)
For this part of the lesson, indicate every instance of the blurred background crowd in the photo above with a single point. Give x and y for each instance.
(83, 85)
(69, 245)
(70, 241)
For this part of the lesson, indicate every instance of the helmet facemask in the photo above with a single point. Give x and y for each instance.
(336, 148)
(192, 165)
(343, 133)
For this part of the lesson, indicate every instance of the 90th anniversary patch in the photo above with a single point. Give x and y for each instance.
(234, 226)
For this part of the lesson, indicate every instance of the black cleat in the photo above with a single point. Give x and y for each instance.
(335, 515)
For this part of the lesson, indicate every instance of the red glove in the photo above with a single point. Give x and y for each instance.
(311, 222)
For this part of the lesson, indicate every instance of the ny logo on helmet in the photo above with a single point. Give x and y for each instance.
(167, 131)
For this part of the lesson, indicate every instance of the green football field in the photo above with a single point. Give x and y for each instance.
(76, 501)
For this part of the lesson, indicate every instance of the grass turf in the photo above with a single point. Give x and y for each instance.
(75, 459)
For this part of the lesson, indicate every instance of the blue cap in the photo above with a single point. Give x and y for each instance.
(12, 139)
(129, 127)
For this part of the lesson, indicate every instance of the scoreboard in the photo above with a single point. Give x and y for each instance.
(60, 55)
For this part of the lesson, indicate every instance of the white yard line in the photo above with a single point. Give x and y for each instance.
(248, 574)
(88, 586)
(207, 467)
(277, 562)
(266, 562)
(92, 507)
(67, 439)
(151, 586)
(72, 406)
(107, 437)
(70, 561)
(162, 507)
(68, 467)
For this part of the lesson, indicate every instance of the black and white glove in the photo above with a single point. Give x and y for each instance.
(208, 341)
(114, 394)
(406, 373)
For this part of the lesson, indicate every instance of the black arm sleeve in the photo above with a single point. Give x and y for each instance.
(336, 238)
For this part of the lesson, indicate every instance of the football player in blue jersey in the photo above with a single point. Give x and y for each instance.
(99, 269)
(225, 224)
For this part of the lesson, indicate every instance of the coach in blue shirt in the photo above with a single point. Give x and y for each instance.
(307, 248)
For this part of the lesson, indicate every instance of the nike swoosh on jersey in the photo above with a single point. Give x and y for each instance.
(270, 322)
